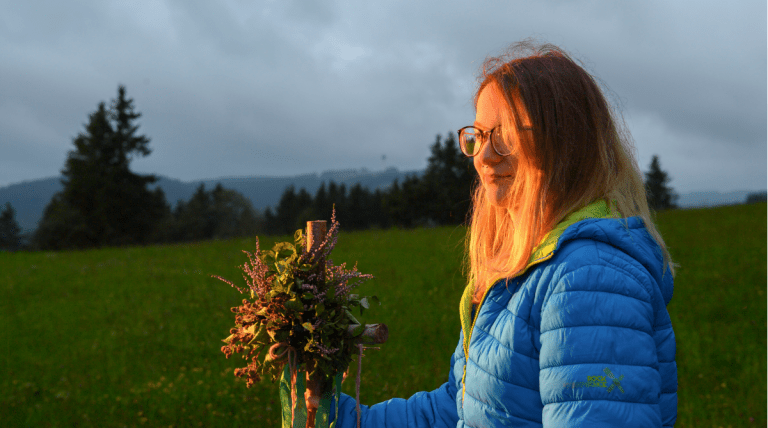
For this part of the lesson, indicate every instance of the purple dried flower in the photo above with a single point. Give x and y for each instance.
(324, 350)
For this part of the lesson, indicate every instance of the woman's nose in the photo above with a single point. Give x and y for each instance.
(488, 155)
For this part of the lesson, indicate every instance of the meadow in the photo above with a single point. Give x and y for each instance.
(131, 336)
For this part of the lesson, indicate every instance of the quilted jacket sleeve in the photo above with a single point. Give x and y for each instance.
(424, 409)
(599, 364)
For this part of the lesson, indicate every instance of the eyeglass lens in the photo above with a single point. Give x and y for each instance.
(471, 142)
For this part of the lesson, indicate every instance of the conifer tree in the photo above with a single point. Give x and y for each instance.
(405, 203)
(446, 183)
(660, 196)
(103, 202)
(380, 218)
(198, 217)
(233, 213)
(10, 232)
(360, 207)
(320, 203)
(286, 211)
(302, 211)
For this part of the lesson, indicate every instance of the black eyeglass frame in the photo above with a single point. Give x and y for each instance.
(484, 135)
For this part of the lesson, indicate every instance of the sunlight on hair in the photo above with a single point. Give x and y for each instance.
(579, 151)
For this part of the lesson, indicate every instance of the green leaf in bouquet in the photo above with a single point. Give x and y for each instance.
(268, 359)
(272, 328)
(277, 288)
(319, 309)
(308, 326)
(283, 280)
(271, 270)
(271, 294)
(307, 296)
(298, 238)
(284, 251)
(351, 317)
(268, 258)
(251, 329)
(261, 336)
(228, 340)
(281, 335)
(294, 304)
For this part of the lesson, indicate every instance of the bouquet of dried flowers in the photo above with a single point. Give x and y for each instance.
(299, 317)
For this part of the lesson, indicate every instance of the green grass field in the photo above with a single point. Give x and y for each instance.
(132, 337)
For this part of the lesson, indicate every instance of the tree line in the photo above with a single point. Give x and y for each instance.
(104, 204)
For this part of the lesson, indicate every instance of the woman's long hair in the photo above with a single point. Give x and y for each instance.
(579, 152)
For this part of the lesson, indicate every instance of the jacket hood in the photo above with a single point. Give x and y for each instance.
(599, 223)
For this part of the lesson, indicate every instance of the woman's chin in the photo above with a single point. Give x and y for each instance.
(500, 201)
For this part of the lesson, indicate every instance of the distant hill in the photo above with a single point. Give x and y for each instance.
(29, 198)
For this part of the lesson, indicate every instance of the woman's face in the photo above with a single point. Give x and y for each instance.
(495, 171)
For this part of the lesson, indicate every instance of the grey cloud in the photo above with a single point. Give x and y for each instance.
(279, 87)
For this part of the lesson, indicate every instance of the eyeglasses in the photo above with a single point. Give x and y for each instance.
(471, 139)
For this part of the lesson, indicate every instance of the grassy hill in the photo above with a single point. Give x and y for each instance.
(132, 337)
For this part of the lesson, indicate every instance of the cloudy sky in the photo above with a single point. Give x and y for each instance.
(240, 88)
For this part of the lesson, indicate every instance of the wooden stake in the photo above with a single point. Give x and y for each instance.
(316, 231)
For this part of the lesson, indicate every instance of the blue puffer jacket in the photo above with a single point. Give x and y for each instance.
(581, 338)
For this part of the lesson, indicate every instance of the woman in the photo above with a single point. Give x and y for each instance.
(564, 320)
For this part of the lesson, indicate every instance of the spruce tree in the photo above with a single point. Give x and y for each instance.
(198, 217)
(286, 212)
(660, 196)
(380, 218)
(104, 203)
(10, 232)
(302, 211)
(446, 183)
(321, 205)
(233, 213)
(360, 206)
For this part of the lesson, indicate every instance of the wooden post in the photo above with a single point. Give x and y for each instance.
(316, 231)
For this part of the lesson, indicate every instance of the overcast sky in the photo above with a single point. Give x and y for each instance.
(240, 88)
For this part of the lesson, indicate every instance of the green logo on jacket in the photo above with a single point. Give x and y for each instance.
(599, 382)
